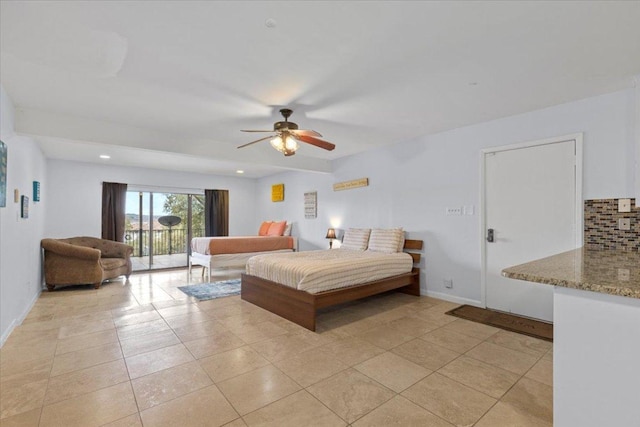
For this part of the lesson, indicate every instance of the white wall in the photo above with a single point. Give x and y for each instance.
(75, 195)
(411, 184)
(20, 267)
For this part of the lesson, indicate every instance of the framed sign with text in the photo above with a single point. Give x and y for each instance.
(311, 204)
(348, 185)
(24, 207)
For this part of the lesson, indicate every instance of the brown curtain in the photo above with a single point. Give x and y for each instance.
(114, 198)
(216, 213)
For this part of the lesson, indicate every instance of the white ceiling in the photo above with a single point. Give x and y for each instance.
(170, 84)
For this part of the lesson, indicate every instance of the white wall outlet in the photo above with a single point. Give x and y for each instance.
(624, 224)
(448, 283)
(453, 211)
(468, 210)
(624, 205)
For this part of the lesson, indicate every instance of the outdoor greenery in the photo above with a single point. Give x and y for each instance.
(176, 204)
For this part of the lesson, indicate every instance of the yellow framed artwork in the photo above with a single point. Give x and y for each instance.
(277, 192)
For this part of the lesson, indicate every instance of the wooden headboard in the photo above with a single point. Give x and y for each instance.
(410, 246)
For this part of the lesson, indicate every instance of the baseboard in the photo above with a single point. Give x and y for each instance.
(454, 298)
(7, 333)
(20, 319)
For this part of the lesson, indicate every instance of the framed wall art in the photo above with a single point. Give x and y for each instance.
(3, 174)
(24, 207)
(36, 191)
(311, 204)
(277, 192)
(348, 185)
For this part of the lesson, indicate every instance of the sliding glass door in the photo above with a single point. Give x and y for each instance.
(160, 226)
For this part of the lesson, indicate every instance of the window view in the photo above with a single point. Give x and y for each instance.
(160, 226)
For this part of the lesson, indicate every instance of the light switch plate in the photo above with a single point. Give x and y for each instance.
(624, 205)
(453, 211)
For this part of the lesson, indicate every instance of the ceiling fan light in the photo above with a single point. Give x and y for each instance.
(277, 143)
(288, 136)
(291, 144)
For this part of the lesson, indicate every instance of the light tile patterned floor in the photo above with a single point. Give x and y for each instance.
(143, 353)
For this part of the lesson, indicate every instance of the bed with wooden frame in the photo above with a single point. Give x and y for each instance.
(301, 307)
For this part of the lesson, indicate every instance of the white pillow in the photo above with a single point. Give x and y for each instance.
(387, 241)
(287, 230)
(356, 239)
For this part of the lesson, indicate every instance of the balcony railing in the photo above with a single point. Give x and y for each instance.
(165, 241)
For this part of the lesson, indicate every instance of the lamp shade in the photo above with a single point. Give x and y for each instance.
(286, 144)
(331, 233)
(277, 143)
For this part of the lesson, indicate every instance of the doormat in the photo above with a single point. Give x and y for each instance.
(207, 291)
(506, 321)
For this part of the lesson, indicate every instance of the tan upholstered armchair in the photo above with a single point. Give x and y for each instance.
(84, 260)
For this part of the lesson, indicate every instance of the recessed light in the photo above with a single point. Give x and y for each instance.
(105, 156)
(240, 171)
(473, 83)
(270, 23)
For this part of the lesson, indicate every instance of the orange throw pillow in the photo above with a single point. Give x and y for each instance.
(277, 228)
(264, 228)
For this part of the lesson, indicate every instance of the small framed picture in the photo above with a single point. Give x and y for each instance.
(36, 191)
(311, 205)
(24, 208)
(277, 192)
(3, 174)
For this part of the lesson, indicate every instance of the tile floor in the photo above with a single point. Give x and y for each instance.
(143, 353)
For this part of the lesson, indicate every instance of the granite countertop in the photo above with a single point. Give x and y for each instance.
(606, 271)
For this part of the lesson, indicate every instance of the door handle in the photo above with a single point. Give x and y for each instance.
(490, 238)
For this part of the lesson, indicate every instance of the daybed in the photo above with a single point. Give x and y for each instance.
(285, 284)
(219, 252)
(84, 260)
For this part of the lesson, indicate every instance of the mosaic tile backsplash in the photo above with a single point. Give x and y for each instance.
(601, 226)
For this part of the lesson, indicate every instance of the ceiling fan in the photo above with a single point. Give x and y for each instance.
(287, 136)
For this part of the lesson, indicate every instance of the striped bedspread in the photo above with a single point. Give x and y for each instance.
(318, 271)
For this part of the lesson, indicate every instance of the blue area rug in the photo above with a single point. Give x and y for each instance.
(206, 291)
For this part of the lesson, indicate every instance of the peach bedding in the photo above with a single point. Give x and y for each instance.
(238, 245)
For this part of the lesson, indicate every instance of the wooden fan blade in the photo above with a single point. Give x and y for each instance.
(307, 132)
(257, 140)
(315, 141)
(244, 130)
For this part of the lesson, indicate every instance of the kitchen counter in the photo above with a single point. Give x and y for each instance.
(604, 271)
(596, 342)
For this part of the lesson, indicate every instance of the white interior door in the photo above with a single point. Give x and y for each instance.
(531, 206)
